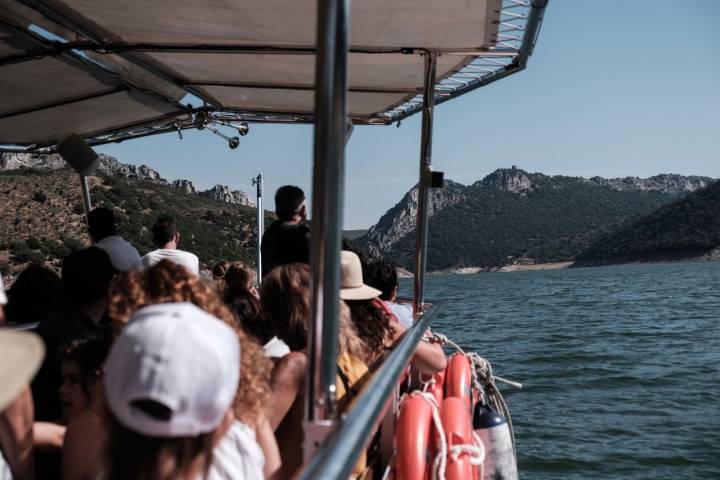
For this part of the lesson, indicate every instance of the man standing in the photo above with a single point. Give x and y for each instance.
(288, 238)
(166, 238)
(103, 233)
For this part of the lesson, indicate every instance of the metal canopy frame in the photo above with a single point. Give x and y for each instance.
(519, 23)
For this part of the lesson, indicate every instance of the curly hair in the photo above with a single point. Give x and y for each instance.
(372, 325)
(168, 282)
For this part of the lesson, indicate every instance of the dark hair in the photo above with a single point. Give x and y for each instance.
(129, 454)
(220, 269)
(382, 276)
(285, 301)
(89, 355)
(372, 324)
(101, 223)
(288, 199)
(164, 230)
(35, 293)
(248, 311)
(86, 275)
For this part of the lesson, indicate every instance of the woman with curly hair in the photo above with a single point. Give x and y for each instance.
(167, 282)
(286, 304)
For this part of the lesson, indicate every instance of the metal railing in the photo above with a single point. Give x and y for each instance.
(341, 450)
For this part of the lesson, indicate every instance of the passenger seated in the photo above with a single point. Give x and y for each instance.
(86, 275)
(384, 277)
(168, 282)
(243, 298)
(82, 398)
(37, 291)
(103, 233)
(287, 240)
(375, 324)
(81, 369)
(166, 238)
(286, 303)
(171, 380)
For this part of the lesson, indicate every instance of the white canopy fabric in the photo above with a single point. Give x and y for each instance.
(132, 61)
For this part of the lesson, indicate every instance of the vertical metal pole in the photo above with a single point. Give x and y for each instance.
(86, 194)
(421, 230)
(327, 199)
(258, 181)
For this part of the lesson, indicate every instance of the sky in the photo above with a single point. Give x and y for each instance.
(614, 88)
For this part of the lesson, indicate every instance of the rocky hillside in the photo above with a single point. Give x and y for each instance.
(512, 214)
(112, 167)
(42, 217)
(686, 228)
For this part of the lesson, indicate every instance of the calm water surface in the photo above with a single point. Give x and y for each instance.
(620, 365)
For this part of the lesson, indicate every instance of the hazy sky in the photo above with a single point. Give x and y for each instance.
(615, 88)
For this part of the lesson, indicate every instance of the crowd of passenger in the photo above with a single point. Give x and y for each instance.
(152, 370)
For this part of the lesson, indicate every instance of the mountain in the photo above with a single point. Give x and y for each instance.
(112, 167)
(42, 217)
(686, 228)
(514, 216)
(222, 193)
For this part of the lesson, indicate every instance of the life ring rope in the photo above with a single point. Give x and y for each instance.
(483, 379)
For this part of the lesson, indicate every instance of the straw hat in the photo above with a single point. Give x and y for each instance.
(22, 353)
(351, 279)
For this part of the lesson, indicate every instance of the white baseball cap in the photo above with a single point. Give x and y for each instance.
(178, 357)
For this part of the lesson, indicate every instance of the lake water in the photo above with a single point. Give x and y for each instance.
(620, 365)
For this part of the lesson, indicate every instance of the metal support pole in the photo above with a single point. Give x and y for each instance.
(86, 194)
(421, 230)
(327, 199)
(258, 181)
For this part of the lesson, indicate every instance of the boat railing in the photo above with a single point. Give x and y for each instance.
(337, 456)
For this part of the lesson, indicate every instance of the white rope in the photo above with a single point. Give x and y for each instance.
(440, 461)
(483, 380)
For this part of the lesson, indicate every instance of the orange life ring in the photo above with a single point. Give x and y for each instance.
(458, 380)
(412, 435)
(457, 424)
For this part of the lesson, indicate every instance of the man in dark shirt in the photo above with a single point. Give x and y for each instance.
(86, 276)
(288, 238)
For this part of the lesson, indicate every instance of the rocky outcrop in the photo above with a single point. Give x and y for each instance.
(223, 193)
(107, 165)
(111, 166)
(509, 179)
(400, 220)
(185, 186)
(669, 183)
(16, 161)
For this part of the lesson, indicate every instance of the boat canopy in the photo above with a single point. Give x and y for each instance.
(117, 69)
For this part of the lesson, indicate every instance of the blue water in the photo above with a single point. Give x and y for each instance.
(620, 365)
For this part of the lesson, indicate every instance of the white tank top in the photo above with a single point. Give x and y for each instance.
(238, 455)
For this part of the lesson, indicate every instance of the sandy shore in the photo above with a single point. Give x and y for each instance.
(536, 266)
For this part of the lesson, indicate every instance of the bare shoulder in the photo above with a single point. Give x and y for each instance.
(290, 369)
